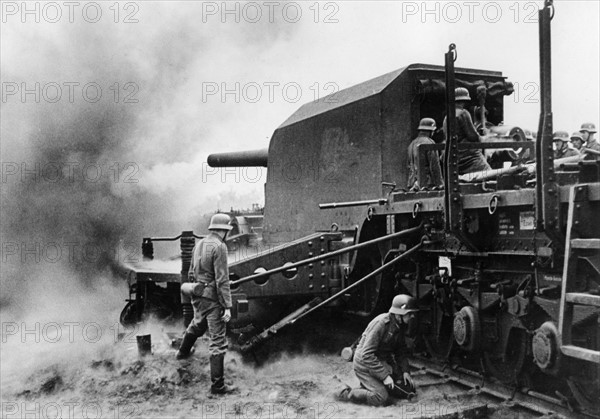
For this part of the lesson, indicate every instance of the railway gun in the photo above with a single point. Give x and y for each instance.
(505, 263)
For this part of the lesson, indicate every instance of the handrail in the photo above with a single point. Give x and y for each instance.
(329, 255)
(363, 279)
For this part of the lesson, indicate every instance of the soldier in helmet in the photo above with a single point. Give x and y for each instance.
(380, 361)
(592, 147)
(561, 146)
(432, 170)
(577, 140)
(211, 298)
(469, 161)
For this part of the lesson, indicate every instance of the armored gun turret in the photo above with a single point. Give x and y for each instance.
(348, 146)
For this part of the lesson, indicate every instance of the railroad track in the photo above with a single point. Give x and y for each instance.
(446, 392)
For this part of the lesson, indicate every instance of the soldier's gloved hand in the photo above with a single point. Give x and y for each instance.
(226, 315)
(389, 382)
(408, 379)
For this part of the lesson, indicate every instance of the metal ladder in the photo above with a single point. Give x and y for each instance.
(578, 197)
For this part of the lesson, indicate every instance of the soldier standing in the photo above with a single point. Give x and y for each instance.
(592, 148)
(469, 161)
(561, 147)
(211, 299)
(380, 357)
(432, 170)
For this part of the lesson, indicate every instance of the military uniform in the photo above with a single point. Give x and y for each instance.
(210, 294)
(209, 266)
(588, 130)
(565, 152)
(432, 169)
(469, 161)
(592, 145)
(211, 300)
(381, 352)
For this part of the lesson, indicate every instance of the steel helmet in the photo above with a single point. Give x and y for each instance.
(588, 127)
(427, 124)
(461, 93)
(404, 304)
(220, 222)
(560, 136)
(576, 136)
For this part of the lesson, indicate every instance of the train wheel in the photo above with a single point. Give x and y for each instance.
(467, 329)
(545, 347)
(507, 361)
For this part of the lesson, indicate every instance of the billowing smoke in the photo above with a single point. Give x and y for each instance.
(104, 136)
(105, 133)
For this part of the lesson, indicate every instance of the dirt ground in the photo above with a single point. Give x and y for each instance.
(295, 378)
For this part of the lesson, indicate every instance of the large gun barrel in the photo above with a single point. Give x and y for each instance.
(249, 158)
(484, 175)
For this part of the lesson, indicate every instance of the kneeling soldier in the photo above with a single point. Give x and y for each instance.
(381, 355)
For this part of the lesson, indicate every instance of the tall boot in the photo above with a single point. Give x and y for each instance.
(360, 396)
(186, 346)
(217, 375)
(188, 314)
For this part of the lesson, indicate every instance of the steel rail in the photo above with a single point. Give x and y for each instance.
(537, 403)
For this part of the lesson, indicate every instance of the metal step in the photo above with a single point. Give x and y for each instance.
(581, 353)
(585, 244)
(583, 299)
